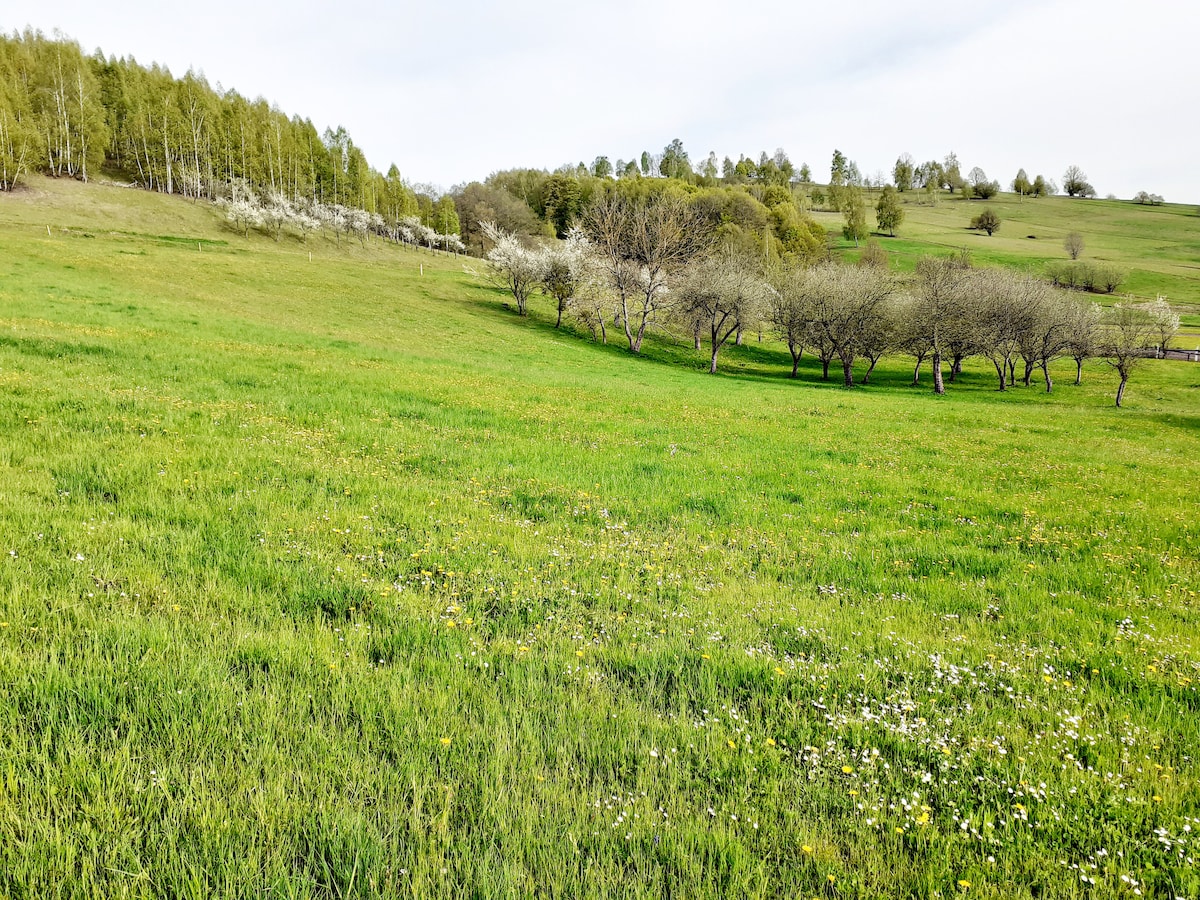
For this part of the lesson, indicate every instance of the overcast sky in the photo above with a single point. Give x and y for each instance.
(452, 92)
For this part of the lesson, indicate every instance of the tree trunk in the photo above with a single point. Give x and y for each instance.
(712, 365)
(871, 368)
(1012, 371)
(955, 368)
(795, 359)
(739, 339)
(917, 370)
(825, 369)
(558, 321)
(848, 371)
(637, 338)
(939, 386)
(1079, 370)
(1028, 372)
(1046, 375)
(1000, 372)
(1121, 389)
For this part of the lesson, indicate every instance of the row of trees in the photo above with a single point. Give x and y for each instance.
(275, 215)
(767, 201)
(907, 174)
(654, 264)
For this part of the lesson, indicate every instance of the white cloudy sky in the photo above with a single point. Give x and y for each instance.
(453, 91)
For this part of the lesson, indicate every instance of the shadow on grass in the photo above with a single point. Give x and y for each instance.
(767, 362)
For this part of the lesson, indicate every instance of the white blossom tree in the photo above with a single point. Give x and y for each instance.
(1165, 319)
(243, 214)
(514, 267)
(564, 270)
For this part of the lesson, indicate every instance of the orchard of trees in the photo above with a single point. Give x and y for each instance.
(655, 262)
(706, 249)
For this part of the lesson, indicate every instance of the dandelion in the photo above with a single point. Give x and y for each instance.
(732, 745)
(445, 742)
(807, 849)
(705, 656)
(830, 879)
(770, 742)
(963, 883)
(849, 770)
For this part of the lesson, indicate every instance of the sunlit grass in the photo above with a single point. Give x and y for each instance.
(1156, 246)
(333, 578)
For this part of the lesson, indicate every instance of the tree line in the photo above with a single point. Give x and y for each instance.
(68, 114)
(641, 264)
(762, 206)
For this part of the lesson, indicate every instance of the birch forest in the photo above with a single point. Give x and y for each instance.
(65, 113)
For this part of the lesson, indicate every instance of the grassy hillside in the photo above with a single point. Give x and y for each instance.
(1158, 246)
(329, 576)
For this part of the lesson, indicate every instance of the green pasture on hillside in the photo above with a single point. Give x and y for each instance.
(323, 574)
(1158, 246)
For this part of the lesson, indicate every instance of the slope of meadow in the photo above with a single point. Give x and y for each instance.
(1159, 246)
(330, 577)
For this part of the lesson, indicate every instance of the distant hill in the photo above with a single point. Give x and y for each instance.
(1158, 246)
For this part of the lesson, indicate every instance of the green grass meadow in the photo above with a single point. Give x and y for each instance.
(1158, 247)
(324, 575)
